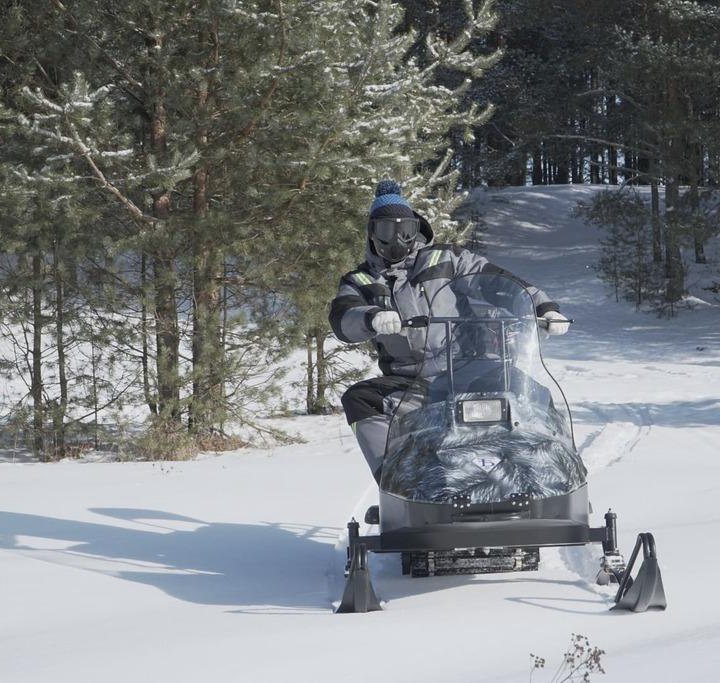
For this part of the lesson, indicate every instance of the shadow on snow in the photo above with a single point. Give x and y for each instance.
(209, 563)
(267, 568)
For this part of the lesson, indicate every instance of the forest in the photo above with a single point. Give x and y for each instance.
(183, 183)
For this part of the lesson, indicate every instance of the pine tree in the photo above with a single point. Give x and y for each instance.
(231, 177)
(158, 122)
(44, 233)
(626, 262)
(374, 113)
(666, 78)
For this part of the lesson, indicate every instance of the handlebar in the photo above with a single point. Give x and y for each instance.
(544, 323)
(424, 321)
(417, 321)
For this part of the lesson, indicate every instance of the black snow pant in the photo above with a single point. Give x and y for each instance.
(369, 406)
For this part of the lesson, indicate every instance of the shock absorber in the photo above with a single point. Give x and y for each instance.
(610, 546)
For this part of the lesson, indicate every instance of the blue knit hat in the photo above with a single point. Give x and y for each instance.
(389, 201)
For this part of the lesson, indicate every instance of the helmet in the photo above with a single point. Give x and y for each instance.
(393, 225)
(393, 237)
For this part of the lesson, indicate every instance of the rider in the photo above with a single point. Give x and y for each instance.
(402, 272)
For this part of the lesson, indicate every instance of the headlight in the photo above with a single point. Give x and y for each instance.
(489, 410)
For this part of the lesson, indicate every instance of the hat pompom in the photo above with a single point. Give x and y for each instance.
(388, 187)
(389, 201)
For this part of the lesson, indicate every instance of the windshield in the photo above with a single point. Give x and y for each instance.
(484, 420)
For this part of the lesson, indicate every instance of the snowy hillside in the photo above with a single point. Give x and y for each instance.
(225, 568)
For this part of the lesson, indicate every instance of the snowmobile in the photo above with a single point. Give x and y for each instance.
(481, 468)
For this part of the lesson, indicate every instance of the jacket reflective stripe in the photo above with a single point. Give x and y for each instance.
(435, 258)
(363, 279)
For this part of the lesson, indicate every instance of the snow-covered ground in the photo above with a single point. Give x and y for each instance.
(225, 568)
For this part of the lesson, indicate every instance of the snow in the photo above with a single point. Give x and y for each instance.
(225, 568)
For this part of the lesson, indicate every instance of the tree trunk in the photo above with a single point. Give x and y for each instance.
(563, 172)
(630, 166)
(224, 307)
(613, 165)
(207, 348)
(93, 361)
(655, 213)
(321, 405)
(207, 403)
(595, 167)
(639, 267)
(674, 165)
(673, 258)
(576, 166)
(694, 197)
(60, 408)
(317, 381)
(149, 397)
(310, 382)
(167, 336)
(36, 385)
(167, 333)
(612, 151)
(537, 173)
(517, 177)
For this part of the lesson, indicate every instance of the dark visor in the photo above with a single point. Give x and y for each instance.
(387, 229)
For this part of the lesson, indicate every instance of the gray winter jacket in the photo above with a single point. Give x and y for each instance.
(408, 287)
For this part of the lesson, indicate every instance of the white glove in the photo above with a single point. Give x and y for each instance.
(386, 322)
(555, 323)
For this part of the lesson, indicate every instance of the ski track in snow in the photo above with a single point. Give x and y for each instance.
(603, 448)
(616, 439)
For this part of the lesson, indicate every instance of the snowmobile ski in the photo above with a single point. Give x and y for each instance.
(646, 590)
(359, 595)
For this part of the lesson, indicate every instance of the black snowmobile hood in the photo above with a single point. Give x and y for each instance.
(425, 238)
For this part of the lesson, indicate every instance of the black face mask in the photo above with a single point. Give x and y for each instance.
(393, 238)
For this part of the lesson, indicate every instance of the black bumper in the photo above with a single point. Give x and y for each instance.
(516, 533)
